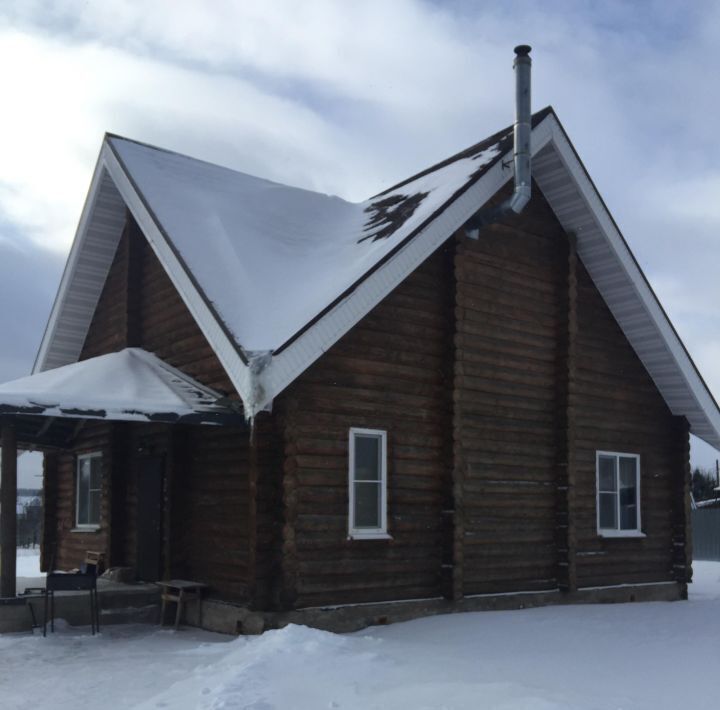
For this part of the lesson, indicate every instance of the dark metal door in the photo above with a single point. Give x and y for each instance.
(149, 517)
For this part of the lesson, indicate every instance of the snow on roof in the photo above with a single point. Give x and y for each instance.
(268, 257)
(130, 385)
(274, 275)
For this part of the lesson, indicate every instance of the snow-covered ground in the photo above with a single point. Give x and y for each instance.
(604, 657)
(28, 568)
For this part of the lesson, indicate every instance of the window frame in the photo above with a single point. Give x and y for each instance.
(380, 532)
(618, 532)
(78, 461)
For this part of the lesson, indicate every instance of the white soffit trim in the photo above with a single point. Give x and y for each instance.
(92, 252)
(616, 274)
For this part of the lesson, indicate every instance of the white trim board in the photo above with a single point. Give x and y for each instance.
(564, 183)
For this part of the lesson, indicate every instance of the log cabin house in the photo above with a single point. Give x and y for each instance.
(310, 405)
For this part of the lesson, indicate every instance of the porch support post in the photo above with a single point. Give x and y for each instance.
(8, 507)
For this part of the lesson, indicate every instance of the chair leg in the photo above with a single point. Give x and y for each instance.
(45, 613)
(181, 597)
(33, 620)
(52, 611)
(92, 613)
(97, 610)
(162, 609)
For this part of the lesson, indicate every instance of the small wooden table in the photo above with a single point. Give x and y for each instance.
(180, 591)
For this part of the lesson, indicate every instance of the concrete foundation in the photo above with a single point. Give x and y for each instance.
(354, 618)
(233, 619)
(139, 603)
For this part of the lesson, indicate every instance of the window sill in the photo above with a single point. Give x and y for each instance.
(369, 536)
(621, 533)
(85, 529)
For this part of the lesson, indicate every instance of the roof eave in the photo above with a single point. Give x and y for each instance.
(259, 380)
(661, 330)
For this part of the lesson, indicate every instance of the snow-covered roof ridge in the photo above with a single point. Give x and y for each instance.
(271, 258)
(274, 275)
(128, 385)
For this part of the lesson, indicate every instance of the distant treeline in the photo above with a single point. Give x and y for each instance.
(704, 481)
(29, 517)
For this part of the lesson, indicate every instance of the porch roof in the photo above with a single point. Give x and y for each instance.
(129, 385)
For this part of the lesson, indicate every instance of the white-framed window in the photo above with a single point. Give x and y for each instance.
(618, 494)
(368, 484)
(88, 490)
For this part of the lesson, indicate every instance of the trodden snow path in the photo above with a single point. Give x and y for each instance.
(630, 656)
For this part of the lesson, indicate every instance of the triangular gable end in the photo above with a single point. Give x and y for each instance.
(261, 376)
(580, 209)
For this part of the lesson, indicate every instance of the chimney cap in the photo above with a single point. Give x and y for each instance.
(522, 50)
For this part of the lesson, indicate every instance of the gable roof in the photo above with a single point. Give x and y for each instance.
(274, 275)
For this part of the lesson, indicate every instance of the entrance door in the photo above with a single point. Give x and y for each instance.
(149, 517)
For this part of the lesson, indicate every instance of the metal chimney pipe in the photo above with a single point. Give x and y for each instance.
(522, 160)
(522, 130)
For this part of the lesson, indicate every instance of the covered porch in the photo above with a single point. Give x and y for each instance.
(126, 440)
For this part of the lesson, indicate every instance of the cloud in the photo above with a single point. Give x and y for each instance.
(28, 280)
(351, 97)
(68, 95)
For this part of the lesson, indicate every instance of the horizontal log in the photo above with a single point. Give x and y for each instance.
(380, 594)
(482, 275)
(337, 584)
(468, 345)
(332, 569)
(503, 586)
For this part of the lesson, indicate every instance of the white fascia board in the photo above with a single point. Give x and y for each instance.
(69, 273)
(300, 354)
(658, 319)
(230, 359)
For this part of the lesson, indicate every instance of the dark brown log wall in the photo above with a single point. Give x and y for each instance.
(391, 372)
(207, 477)
(620, 409)
(509, 290)
(496, 370)
(267, 518)
(544, 379)
(70, 545)
(149, 314)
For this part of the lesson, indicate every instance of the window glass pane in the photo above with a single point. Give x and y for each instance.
(95, 472)
(607, 480)
(628, 493)
(89, 484)
(628, 516)
(83, 487)
(367, 505)
(608, 511)
(94, 508)
(367, 458)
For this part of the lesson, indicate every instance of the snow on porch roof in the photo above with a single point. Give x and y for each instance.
(129, 385)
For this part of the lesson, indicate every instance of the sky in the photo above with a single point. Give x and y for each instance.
(351, 97)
